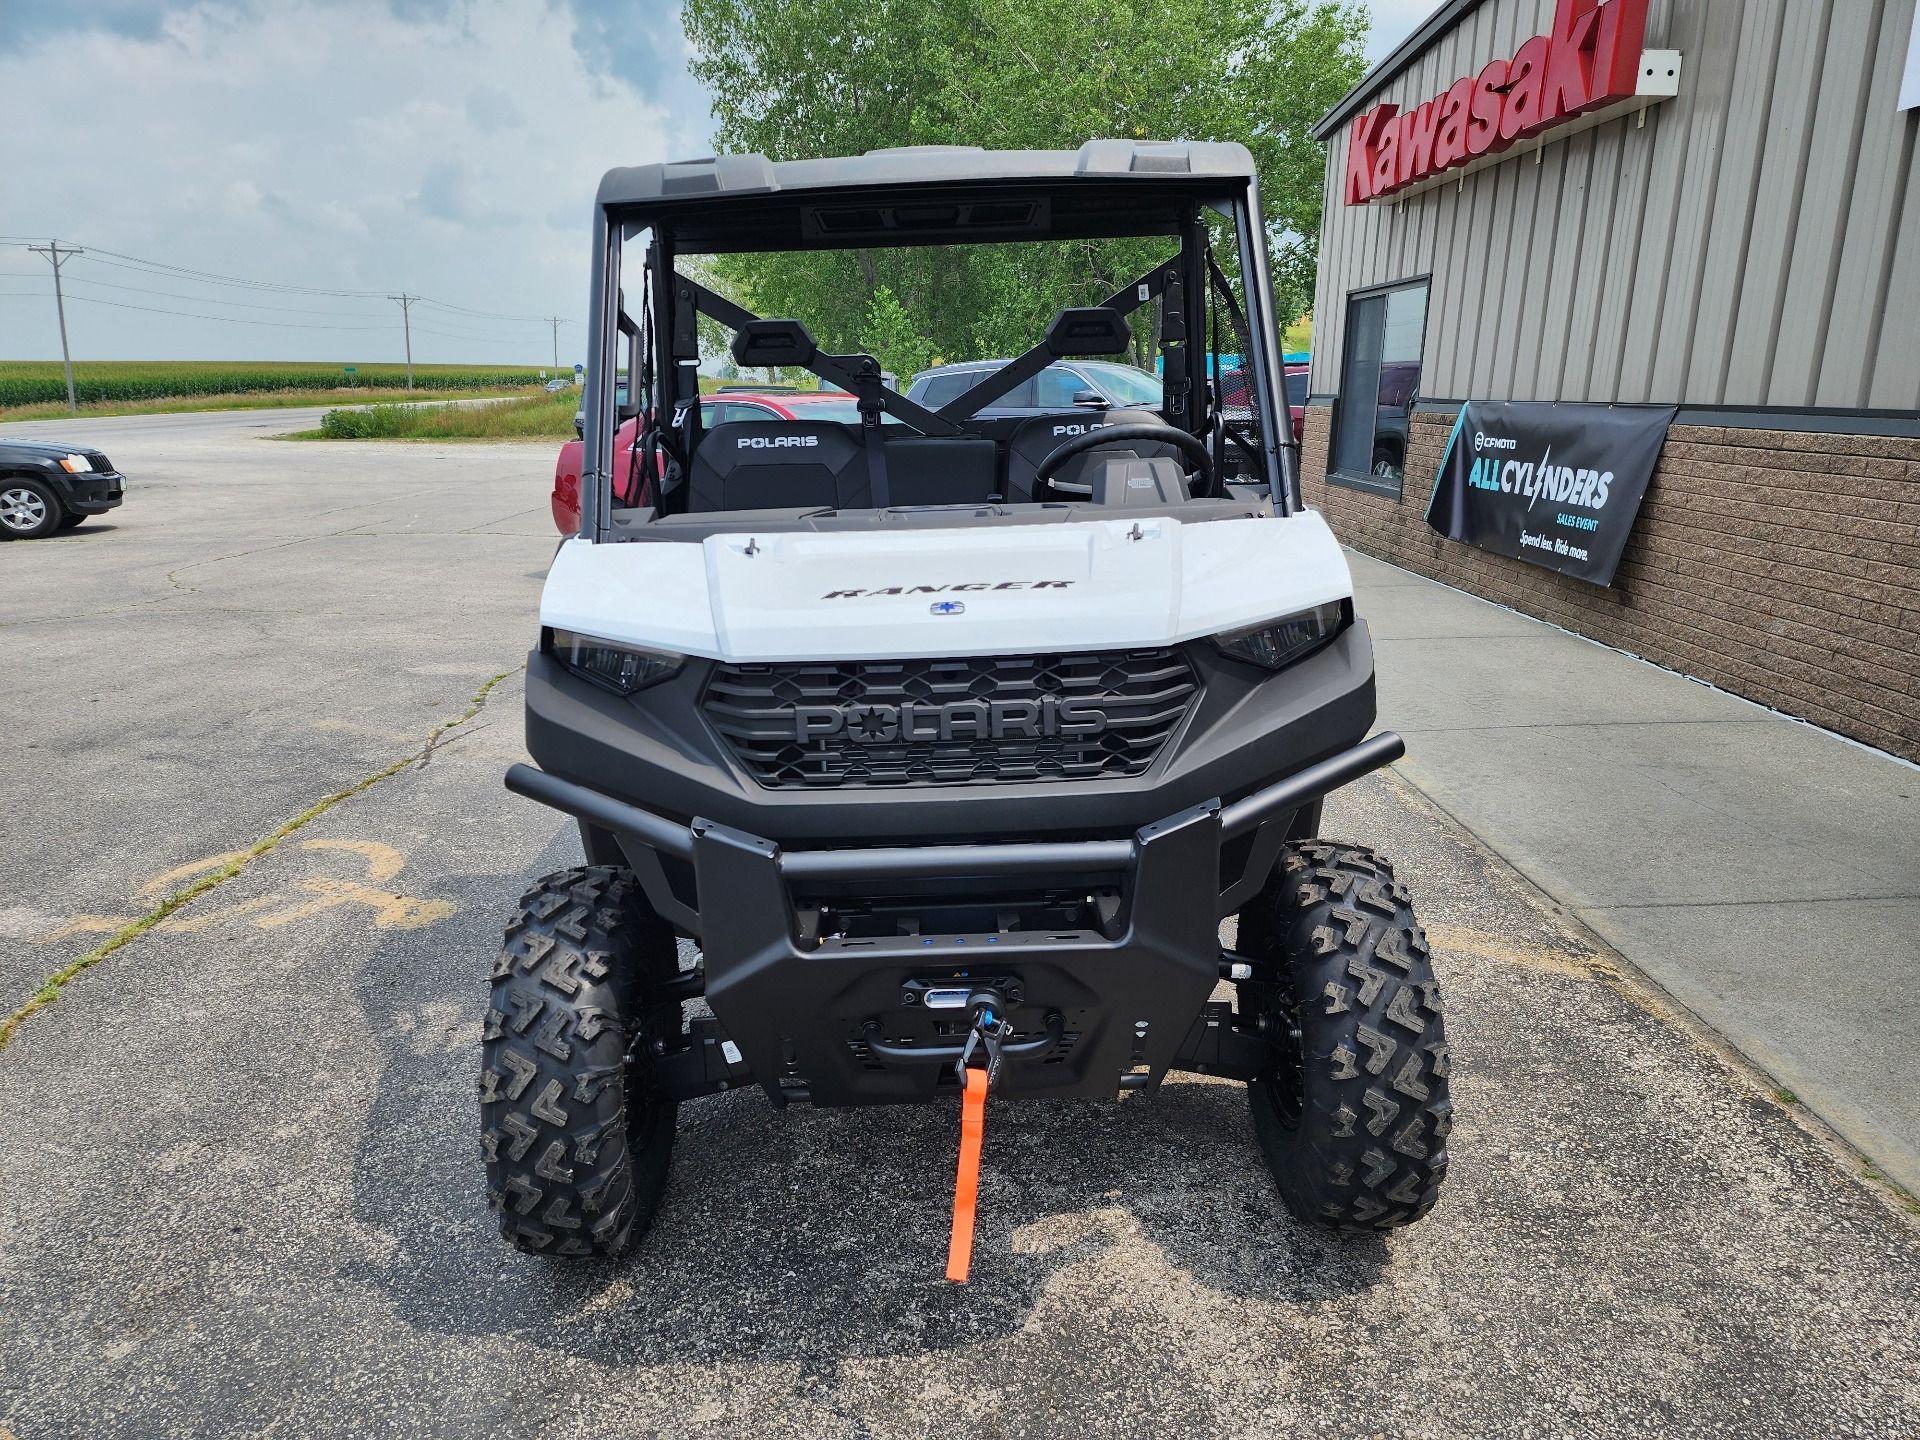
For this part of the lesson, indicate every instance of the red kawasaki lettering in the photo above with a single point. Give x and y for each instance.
(1386, 160)
(1526, 79)
(1415, 143)
(1360, 140)
(1616, 52)
(1483, 121)
(1590, 58)
(1569, 80)
(1450, 137)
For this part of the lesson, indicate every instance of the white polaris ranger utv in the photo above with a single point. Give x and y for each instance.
(951, 741)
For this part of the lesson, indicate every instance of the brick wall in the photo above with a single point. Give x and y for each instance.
(1782, 566)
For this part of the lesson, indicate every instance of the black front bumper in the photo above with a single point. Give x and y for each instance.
(92, 494)
(660, 749)
(1109, 998)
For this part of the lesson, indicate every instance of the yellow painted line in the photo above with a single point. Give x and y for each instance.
(233, 864)
(86, 925)
(201, 919)
(164, 883)
(383, 861)
(390, 909)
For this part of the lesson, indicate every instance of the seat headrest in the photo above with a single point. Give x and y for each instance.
(776, 464)
(1037, 437)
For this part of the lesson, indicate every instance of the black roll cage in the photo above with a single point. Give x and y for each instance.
(667, 354)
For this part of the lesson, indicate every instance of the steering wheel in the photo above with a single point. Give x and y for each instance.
(1192, 446)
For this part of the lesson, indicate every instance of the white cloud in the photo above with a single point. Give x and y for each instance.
(316, 142)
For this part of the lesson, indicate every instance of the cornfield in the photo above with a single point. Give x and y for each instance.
(34, 382)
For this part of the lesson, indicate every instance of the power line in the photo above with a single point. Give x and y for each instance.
(486, 314)
(274, 324)
(223, 319)
(210, 277)
(212, 300)
(276, 309)
(59, 253)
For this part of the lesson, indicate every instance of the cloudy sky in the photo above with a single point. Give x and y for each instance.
(448, 148)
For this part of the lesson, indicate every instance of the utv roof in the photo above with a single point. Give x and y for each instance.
(965, 165)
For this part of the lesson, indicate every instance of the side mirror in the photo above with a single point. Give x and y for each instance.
(1093, 399)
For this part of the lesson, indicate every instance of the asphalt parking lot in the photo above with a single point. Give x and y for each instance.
(239, 1172)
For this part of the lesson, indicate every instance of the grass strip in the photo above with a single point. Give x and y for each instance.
(528, 417)
(50, 988)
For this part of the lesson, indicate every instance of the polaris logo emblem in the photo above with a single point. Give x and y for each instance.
(915, 721)
(1081, 428)
(777, 442)
(947, 607)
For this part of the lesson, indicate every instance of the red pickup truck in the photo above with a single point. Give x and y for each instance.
(721, 408)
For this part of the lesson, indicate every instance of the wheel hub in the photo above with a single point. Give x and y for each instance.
(21, 508)
(1280, 1026)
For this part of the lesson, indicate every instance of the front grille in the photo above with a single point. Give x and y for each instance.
(967, 719)
(99, 462)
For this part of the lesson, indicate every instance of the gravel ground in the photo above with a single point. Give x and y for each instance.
(239, 1177)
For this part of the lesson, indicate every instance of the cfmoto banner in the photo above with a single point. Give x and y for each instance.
(1555, 485)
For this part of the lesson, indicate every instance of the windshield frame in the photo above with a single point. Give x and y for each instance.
(667, 308)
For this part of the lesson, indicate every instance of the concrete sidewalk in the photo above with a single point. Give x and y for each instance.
(1767, 874)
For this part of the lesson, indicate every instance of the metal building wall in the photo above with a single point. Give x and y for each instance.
(1757, 242)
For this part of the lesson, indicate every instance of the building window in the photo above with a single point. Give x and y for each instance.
(1379, 381)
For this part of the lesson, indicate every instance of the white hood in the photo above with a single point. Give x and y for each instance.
(905, 594)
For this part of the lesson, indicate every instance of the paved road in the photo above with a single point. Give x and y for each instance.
(239, 1182)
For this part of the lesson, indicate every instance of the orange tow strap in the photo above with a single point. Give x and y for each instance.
(966, 1185)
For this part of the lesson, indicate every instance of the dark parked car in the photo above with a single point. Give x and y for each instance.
(46, 487)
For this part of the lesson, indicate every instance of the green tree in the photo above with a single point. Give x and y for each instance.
(892, 337)
(795, 79)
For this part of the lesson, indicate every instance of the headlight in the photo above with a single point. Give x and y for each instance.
(622, 669)
(1275, 644)
(75, 464)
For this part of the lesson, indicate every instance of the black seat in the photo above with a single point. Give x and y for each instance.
(1037, 438)
(778, 465)
(939, 469)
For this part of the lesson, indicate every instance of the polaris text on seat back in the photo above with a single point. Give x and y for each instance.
(952, 735)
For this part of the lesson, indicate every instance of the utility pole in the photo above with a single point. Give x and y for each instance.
(57, 253)
(405, 303)
(556, 322)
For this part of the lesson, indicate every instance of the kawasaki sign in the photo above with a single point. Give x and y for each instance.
(1590, 62)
